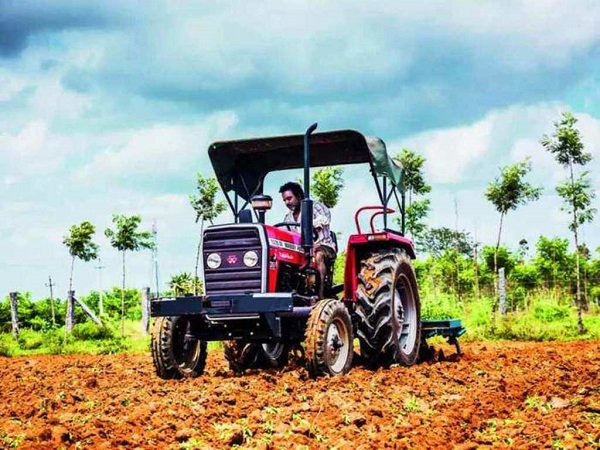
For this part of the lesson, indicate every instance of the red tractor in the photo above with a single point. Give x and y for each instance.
(261, 284)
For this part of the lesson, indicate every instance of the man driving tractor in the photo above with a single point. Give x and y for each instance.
(324, 246)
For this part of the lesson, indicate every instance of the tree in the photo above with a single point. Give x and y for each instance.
(182, 284)
(327, 184)
(553, 261)
(438, 240)
(206, 210)
(126, 237)
(510, 190)
(414, 185)
(577, 192)
(80, 245)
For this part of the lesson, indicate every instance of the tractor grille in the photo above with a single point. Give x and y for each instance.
(232, 276)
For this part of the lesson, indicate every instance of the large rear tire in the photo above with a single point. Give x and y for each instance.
(175, 352)
(388, 309)
(329, 339)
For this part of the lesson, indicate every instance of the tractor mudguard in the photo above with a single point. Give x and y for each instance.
(362, 243)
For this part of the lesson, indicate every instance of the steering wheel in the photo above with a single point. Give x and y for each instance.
(296, 224)
(287, 224)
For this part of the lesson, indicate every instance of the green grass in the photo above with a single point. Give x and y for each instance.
(545, 319)
(85, 338)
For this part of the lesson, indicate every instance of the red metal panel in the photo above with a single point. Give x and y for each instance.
(284, 246)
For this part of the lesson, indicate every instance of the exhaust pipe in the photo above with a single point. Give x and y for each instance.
(307, 204)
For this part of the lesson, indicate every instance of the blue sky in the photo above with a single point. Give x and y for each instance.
(108, 107)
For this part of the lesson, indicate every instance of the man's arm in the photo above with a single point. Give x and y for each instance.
(321, 216)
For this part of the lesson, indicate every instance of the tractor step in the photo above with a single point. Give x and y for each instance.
(451, 329)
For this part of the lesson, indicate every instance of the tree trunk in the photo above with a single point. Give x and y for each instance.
(70, 312)
(476, 268)
(145, 309)
(580, 326)
(498, 244)
(198, 258)
(586, 303)
(70, 290)
(14, 314)
(71, 277)
(52, 301)
(496, 293)
(123, 300)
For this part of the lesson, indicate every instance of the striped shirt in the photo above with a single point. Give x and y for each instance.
(321, 224)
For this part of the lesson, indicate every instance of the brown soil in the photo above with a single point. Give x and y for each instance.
(526, 395)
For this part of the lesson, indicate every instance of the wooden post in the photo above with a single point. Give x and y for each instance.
(502, 291)
(13, 315)
(145, 309)
(69, 318)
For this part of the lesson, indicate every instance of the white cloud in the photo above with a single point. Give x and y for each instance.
(449, 152)
(160, 148)
(74, 98)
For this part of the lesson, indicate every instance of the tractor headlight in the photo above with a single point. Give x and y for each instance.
(213, 261)
(250, 258)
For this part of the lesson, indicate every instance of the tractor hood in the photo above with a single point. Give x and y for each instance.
(242, 165)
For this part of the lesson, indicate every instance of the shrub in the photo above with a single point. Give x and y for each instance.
(548, 312)
(91, 331)
(30, 339)
(440, 307)
(7, 345)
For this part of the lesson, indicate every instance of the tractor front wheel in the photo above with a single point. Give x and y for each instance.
(242, 355)
(175, 351)
(329, 339)
(388, 309)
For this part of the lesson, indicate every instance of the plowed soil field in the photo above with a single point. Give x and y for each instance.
(523, 395)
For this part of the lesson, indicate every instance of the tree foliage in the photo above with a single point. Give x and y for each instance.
(125, 236)
(79, 242)
(204, 200)
(414, 180)
(414, 185)
(510, 189)
(578, 196)
(565, 144)
(327, 183)
(437, 240)
(183, 283)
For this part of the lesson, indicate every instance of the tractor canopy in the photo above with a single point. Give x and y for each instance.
(242, 165)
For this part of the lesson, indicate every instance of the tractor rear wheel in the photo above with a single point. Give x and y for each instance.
(242, 355)
(388, 309)
(175, 351)
(329, 339)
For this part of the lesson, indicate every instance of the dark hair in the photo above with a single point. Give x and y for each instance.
(294, 187)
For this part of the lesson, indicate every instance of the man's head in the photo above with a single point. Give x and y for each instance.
(292, 194)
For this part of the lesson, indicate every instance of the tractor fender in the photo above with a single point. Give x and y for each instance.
(359, 245)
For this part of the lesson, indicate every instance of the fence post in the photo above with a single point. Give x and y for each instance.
(69, 318)
(502, 291)
(13, 315)
(145, 309)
